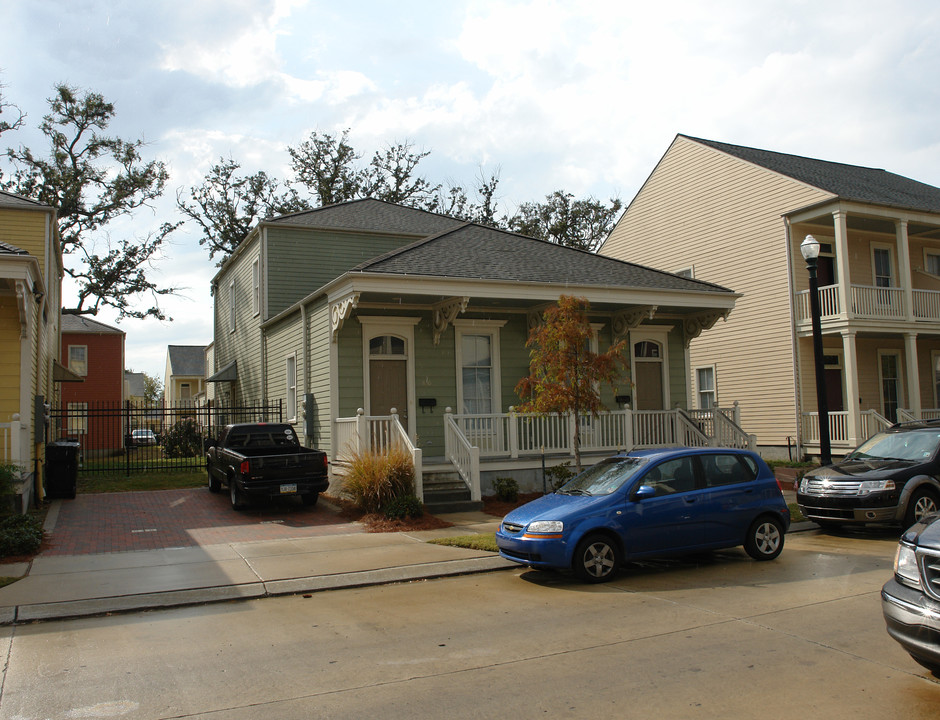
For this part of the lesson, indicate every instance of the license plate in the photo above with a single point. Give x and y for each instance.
(291, 488)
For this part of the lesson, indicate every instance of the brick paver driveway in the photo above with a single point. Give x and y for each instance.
(121, 522)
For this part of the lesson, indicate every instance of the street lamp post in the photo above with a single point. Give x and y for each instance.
(810, 251)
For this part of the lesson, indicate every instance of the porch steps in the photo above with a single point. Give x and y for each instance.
(445, 492)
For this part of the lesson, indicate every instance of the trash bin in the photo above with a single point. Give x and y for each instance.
(61, 473)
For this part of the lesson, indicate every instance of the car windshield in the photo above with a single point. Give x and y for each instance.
(897, 446)
(604, 478)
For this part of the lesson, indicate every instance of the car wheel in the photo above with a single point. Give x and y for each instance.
(922, 503)
(310, 499)
(214, 484)
(597, 559)
(932, 666)
(764, 538)
(238, 502)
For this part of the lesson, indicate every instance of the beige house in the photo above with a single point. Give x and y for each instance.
(736, 216)
(185, 376)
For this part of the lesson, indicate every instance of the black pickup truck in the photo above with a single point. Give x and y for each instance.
(265, 459)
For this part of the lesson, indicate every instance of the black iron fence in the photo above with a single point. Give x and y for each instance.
(132, 438)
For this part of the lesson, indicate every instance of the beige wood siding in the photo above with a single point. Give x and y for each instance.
(721, 215)
(281, 341)
(318, 372)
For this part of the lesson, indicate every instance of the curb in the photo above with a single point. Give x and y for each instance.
(198, 596)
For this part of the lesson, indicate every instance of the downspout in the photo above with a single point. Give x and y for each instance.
(797, 379)
(304, 335)
(262, 252)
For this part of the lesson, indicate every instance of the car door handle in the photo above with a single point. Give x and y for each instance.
(689, 500)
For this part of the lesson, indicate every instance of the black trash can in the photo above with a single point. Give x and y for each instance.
(61, 474)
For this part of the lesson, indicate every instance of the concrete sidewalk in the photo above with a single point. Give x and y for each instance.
(67, 586)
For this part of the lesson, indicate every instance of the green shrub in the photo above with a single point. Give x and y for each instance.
(374, 479)
(8, 474)
(183, 439)
(507, 489)
(404, 506)
(20, 535)
(558, 475)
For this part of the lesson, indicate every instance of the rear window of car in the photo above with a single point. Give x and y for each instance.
(727, 469)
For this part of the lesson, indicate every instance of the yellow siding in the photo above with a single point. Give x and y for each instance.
(25, 229)
(9, 357)
(722, 215)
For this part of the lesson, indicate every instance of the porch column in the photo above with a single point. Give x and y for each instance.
(913, 373)
(904, 268)
(850, 360)
(844, 287)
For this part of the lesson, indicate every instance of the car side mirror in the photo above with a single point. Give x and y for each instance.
(644, 492)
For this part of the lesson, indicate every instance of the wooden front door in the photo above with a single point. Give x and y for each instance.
(388, 388)
(648, 377)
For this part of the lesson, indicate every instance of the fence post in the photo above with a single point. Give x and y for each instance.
(448, 415)
(513, 433)
(361, 429)
(628, 429)
(737, 413)
(476, 494)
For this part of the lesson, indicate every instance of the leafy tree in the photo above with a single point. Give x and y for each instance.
(326, 165)
(391, 177)
(153, 389)
(454, 201)
(565, 372)
(581, 224)
(92, 179)
(226, 206)
(13, 112)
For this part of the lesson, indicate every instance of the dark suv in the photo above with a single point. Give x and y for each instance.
(911, 600)
(893, 477)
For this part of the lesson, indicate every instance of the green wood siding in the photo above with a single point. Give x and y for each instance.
(318, 373)
(435, 377)
(299, 261)
(243, 345)
(281, 341)
(349, 368)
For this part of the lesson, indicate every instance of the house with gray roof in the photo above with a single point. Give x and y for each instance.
(185, 375)
(736, 216)
(370, 321)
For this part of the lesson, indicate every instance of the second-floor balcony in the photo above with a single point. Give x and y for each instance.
(869, 302)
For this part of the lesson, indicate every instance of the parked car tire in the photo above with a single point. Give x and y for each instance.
(597, 559)
(214, 484)
(764, 539)
(310, 499)
(933, 667)
(922, 503)
(238, 501)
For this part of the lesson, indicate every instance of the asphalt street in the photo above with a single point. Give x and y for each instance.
(715, 636)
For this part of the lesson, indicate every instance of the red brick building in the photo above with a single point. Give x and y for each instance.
(94, 351)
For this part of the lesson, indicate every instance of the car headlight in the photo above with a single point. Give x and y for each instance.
(804, 481)
(905, 566)
(870, 486)
(545, 527)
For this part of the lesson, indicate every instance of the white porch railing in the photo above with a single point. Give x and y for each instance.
(377, 433)
(829, 305)
(925, 414)
(464, 455)
(11, 442)
(870, 422)
(871, 302)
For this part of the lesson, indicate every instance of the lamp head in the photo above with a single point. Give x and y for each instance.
(809, 248)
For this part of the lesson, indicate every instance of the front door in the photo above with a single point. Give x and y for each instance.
(649, 385)
(889, 371)
(388, 377)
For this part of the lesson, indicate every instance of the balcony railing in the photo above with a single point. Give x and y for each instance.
(870, 422)
(868, 301)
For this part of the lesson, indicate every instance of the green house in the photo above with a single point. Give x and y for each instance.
(374, 323)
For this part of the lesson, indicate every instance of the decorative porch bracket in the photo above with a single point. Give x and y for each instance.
(340, 311)
(697, 324)
(624, 321)
(534, 317)
(443, 314)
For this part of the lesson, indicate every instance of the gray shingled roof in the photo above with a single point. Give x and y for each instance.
(10, 200)
(849, 182)
(187, 360)
(371, 216)
(479, 252)
(11, 249)
(82, 324)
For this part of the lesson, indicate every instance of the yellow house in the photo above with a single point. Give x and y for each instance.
(30, 301)
(736, 216)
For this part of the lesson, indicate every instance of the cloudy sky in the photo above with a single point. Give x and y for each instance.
(584, 96)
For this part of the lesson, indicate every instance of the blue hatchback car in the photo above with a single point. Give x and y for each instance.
(649, 503)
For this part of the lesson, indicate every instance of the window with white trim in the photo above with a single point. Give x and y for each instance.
(291, 374)
(478, 372)
(705, 391)
(932, 261)
(256, 286)
(78, 359)
(231, 306)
